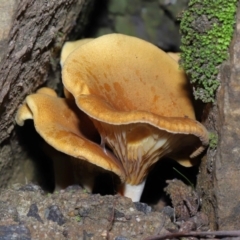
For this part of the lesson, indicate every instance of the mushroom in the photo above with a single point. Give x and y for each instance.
(139, 100)
(175, 56)
(67, 48)
(70, 46)
(63, 126)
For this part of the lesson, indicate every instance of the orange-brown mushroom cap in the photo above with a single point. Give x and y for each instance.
(137, 97)
(70, 46)
(58, 121)
(175, 56)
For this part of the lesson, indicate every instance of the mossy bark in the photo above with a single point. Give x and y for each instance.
(218, 181)
(207, 28)
(38, 31)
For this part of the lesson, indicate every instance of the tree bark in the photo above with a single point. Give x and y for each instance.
(7, 9)
(31, 57)
(219, 176)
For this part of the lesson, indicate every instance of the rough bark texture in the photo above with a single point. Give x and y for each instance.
(220, 173)
(7, 9)
(38, 32)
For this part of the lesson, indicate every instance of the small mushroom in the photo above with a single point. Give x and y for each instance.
(139, 100)
(63, 126)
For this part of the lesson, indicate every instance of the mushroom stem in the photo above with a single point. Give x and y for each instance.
(88, 183)
(133, 191)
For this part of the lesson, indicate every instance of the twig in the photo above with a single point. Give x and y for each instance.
(195, 234)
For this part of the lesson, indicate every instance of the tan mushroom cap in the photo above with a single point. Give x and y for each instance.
(138, 98)
(24, 112)
(175, 56)
(57, 120)
(68, 47)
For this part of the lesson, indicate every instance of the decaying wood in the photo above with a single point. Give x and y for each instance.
(219, 177)
(38, 32)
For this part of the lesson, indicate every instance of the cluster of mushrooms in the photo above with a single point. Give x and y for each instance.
(129, 91)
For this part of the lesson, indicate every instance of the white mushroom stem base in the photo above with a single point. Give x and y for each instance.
(133, 191)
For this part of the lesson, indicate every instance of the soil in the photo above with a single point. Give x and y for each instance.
(74, 214)
(27, 212)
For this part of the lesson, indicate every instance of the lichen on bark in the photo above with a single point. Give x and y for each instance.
(207, 28)
(219, 175)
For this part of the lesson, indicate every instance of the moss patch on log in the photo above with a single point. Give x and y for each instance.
(207, 27)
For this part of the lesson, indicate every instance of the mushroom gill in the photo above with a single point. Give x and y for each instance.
(139, 100)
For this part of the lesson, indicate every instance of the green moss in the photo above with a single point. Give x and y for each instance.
(213, 140)
(133, 6)
(117, 7)
(207, 28)
(124, 25)
(151, 15)
(78, 218)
